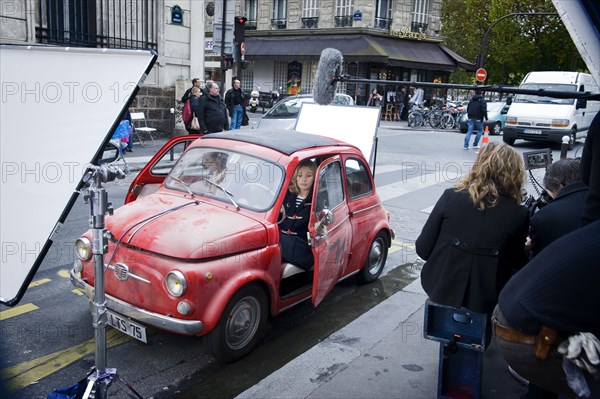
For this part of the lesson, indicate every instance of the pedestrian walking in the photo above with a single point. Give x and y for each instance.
(213, 112)
(477, 113)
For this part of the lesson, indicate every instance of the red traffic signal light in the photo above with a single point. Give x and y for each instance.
(227, 63)
(239, 33)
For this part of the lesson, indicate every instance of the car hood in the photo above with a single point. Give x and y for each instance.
(279, 123)
(183, 228)
(540, 111)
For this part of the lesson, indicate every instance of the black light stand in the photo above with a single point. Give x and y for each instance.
(101, 377)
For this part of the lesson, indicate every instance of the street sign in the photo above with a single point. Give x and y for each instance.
(480, 75)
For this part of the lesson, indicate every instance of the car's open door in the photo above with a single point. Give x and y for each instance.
(330, 229)
(154, 173)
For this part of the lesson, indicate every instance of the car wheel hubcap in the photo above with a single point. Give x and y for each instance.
(376, 256)
(243, 323)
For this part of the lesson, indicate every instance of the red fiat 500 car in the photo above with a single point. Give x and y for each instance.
(199, 253)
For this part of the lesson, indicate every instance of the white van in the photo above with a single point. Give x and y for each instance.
(537, 118)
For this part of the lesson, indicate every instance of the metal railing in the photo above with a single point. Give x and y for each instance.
(310, 23)
(382, 23)
(343, 21)
(99, 23)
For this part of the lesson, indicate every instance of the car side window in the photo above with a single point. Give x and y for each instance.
(358, 178)
(330, 191)
(163, 166)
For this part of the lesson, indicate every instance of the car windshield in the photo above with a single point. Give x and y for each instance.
(236, 178)
(290, 107)
(527, 98)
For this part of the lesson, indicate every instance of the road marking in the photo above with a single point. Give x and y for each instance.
(399, 188)
(39, 282)
(17, 311)
(26, 373)
(63, 273)
(77, 291)
(399, 245)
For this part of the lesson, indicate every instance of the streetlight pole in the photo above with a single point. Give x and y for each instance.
(514, 14)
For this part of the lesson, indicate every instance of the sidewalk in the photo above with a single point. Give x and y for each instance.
(382, 354)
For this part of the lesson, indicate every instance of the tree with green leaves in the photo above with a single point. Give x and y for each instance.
(515, 45)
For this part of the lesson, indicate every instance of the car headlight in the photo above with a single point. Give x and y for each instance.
(560, 123)
(175, 282)
(511, 120)
(83, 248)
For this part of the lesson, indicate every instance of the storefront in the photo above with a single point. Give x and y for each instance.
(288, 63)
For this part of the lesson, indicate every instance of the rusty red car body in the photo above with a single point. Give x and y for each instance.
(200, 261)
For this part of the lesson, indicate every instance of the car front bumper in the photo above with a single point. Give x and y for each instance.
(542, 134)
(187, 327)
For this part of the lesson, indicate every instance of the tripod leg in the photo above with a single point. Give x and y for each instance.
(132, 393)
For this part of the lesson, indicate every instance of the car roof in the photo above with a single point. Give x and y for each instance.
(285, 141)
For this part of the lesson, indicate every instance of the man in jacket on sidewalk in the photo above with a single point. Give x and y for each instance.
(213, 113)
(477, 113)
(235, 99)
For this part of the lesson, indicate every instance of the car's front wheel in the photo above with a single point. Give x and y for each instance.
(376, 258)
(497, 129)
(241, 326)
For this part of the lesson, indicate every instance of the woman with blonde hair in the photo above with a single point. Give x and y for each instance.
(473, 240)
(294, 226)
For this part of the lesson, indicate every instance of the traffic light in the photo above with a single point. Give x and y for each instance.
(227, 63)
(240, 29)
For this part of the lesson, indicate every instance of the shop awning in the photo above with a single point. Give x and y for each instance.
(360, 48)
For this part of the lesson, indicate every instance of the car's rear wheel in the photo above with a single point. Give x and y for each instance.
(376, 258)
(241, 326)
(572, 138)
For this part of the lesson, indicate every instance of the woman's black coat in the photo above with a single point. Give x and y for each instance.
(470, 254)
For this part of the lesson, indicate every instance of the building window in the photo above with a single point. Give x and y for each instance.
(279, 20)
(343, 13)
(280, 73)
(310, 14)
(383, 14)
(247, 78)
(420, 16)
(250, 12)
(100, 23)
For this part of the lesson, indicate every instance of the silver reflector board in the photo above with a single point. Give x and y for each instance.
(59, 107)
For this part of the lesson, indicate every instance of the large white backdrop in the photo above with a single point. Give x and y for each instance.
(353, 124)
(58, 106)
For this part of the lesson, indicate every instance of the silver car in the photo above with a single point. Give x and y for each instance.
(283, 115)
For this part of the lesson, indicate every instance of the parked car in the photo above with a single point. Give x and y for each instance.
(284, 114)
(193, 256)
(496, 117)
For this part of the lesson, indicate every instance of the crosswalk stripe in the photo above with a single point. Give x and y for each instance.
(26, 373)
(399, 188)
(17, 311)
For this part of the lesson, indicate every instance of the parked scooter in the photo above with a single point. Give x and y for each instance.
(253, 102)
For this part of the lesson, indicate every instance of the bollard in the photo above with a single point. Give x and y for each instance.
(564, 147)
(172, 123)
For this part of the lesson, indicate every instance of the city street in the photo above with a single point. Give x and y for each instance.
(47, 341)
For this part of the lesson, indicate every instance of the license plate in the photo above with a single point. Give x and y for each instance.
(127, 326)
(532, 131)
